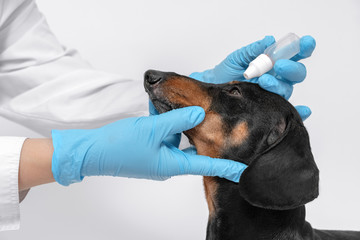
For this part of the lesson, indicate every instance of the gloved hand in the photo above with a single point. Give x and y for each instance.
(280, 79)
(135, 147)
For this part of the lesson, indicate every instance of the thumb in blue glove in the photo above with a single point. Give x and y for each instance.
(135, 148)
(172, 139)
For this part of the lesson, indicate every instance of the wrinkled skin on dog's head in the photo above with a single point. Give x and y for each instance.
(250, 125)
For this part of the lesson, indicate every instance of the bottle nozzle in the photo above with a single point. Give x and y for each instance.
(258, 67)
(251, 72)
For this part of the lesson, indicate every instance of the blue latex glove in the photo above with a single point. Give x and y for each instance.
(135, 147)
(173, 139)
(280, 79)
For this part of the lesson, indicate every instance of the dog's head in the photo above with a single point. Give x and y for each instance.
(247, 124)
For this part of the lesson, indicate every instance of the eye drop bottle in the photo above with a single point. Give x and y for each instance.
(285, 48)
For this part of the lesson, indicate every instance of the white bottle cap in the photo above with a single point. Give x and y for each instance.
(258, 67)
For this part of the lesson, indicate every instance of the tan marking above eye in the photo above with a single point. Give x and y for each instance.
(233, 82)
(238, 134)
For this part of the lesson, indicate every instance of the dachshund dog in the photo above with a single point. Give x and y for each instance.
(262, 130)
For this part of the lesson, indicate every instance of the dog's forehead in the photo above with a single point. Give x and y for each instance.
(252, 99)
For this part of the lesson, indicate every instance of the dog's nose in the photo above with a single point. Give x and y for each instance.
(152, 76)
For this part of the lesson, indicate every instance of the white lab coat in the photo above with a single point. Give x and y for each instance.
(44, 86)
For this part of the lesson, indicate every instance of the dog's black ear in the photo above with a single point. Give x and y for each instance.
(285, 176)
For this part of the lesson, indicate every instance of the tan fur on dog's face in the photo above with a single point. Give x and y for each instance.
(209, 137)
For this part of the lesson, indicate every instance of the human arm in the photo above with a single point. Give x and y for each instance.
(35, 163)
(24, 163)
(132, 147)
(45, 86)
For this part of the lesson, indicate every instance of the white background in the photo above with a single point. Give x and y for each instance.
(129, 37)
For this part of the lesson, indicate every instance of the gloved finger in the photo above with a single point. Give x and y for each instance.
(197, 76)
(207, 166)
(272, 84)
(294, 72)
(190, 150)
(179, 120)
(252, 80)
(243, 56)
(303, 111)
(173, 139)
(307, 46)
(152, 109)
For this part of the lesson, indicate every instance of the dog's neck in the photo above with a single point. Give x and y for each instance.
(232, 217)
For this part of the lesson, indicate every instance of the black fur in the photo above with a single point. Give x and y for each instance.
(281, 177)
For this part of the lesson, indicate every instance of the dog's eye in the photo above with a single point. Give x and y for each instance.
(235, 92)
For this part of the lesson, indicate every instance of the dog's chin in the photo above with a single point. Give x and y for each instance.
(163, 105)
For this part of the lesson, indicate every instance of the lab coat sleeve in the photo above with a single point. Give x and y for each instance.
(10, 149)
(44, 85)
